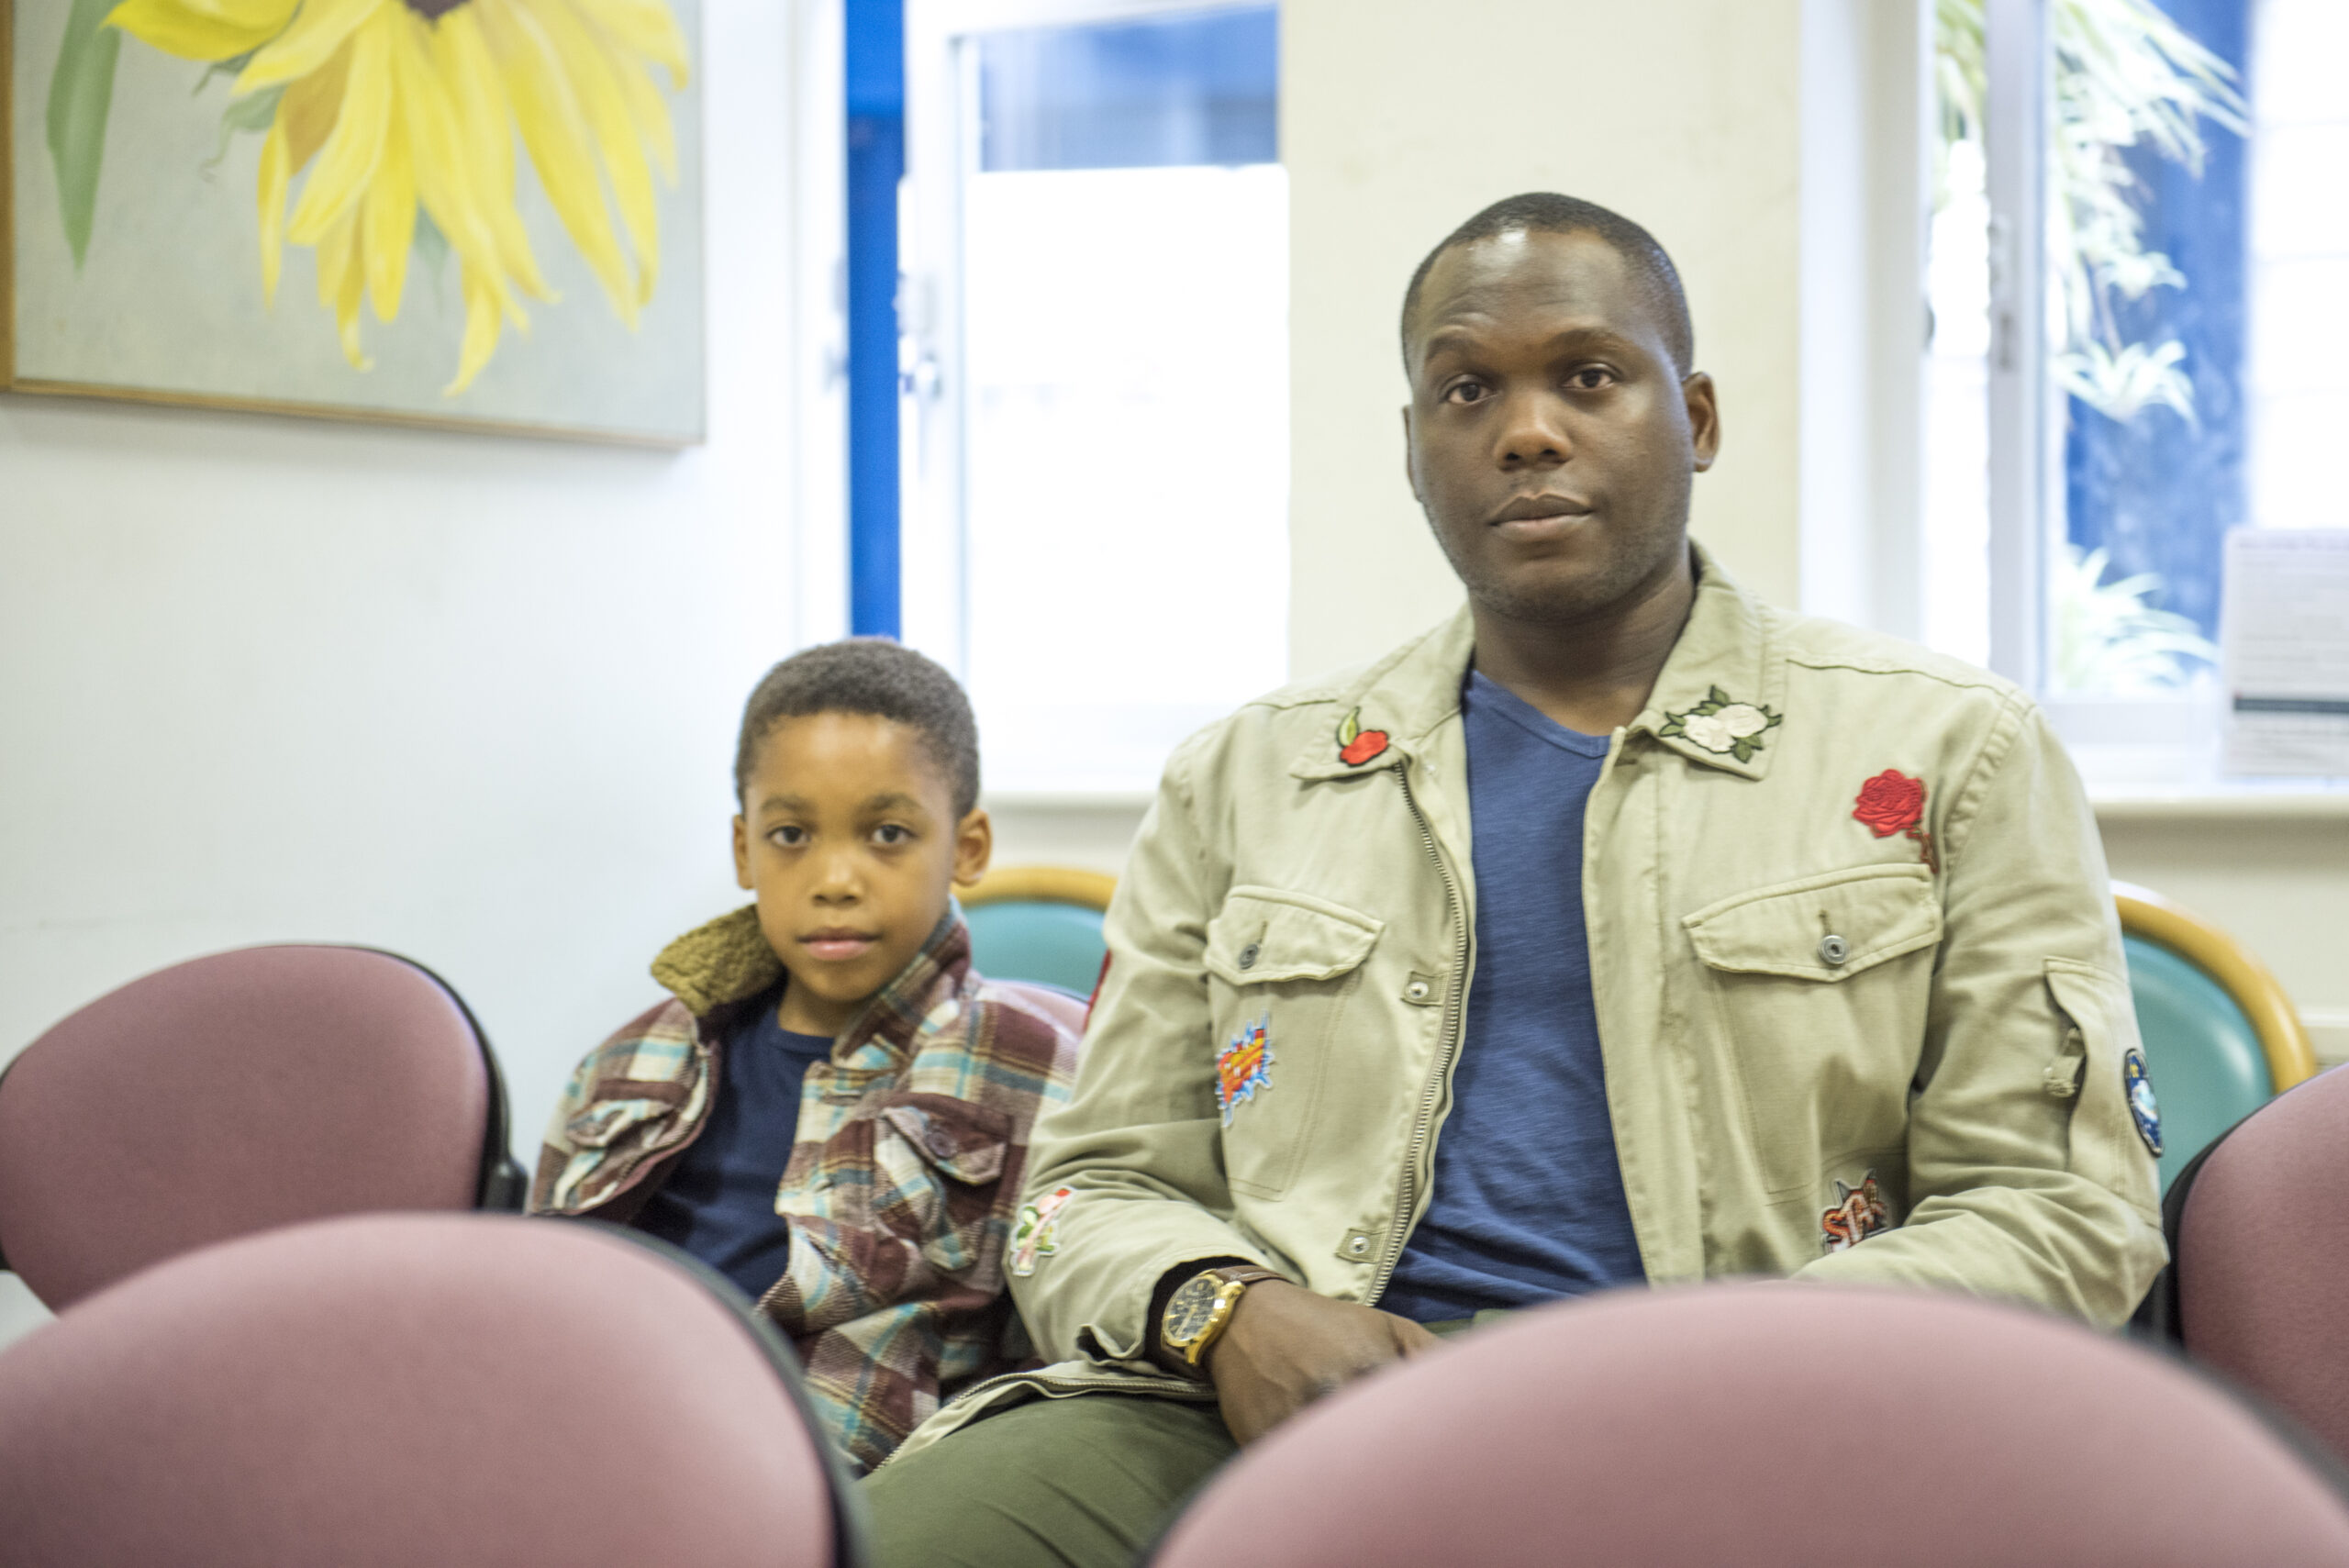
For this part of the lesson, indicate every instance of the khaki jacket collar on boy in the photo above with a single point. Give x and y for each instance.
(904, 1175)
(1858, 979)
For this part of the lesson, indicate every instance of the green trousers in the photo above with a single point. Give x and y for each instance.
(1091, 1481)
(1087, 1482)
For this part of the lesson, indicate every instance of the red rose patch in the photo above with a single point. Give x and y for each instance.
(1357, 745)
(1892, 803)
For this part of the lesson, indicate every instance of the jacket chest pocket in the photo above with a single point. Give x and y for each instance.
(1818, 991)
(1281, 968)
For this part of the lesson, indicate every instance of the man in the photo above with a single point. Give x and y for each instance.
(1621, 930)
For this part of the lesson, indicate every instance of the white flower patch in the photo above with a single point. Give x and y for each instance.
(1708, 730)
(1722, 726)
(1740, 720)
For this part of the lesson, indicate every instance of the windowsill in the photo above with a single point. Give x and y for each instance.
(2234, 801)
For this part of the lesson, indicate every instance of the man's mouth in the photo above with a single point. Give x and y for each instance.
(833, 944)
(1540, 516)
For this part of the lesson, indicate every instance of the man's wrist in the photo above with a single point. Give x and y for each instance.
(1188, 1359)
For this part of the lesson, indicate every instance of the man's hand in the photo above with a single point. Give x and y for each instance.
(1286, 1346)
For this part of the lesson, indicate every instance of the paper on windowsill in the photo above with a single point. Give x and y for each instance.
(2284, 632)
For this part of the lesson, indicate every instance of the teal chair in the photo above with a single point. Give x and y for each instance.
(1039, 923)
(2221, 1038)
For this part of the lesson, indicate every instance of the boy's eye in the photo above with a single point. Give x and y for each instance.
(789, 835)
(893, 833)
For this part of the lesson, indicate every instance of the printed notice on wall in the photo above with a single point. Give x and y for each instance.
(2284, 629)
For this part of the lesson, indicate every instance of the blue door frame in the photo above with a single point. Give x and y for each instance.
(877, 161)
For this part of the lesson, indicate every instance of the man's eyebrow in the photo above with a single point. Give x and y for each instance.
(1581, 333)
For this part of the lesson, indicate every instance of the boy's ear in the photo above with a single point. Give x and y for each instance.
(973, 847)
(742, 853)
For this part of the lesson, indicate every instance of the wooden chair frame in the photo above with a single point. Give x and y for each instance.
(1041, 884)
(2283, 1039)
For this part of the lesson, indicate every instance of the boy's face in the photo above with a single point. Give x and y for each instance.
(849, 838)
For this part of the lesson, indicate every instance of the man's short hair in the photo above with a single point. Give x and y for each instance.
(869, 675)
(1546, 212)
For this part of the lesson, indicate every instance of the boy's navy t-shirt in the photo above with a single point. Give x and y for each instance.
(1528, 1202)
(719, 1200)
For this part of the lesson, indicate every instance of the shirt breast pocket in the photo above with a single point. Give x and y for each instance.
(1818, 990)
(1281, 968)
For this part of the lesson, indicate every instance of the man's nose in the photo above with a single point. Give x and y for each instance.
(1533, 434)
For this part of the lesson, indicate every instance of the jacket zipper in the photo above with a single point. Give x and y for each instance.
(1455, 988)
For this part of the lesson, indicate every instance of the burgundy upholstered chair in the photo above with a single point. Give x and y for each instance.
(2259, 1236)
(234, 1092)
(482, 1391)
(1772, 1426)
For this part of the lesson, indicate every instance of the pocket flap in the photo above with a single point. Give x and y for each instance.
(963, 1141)
(1877, 912)
(1265, 934)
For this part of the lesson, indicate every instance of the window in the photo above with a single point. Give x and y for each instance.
(2137, 316)
(1097, 431)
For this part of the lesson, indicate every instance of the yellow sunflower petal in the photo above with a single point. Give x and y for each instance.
(275, 169)
(389, 210)
(340, 283)
(202, 29)
(482, 321)
(309, 107)
(445, 178)
(349, 157)
(319, 28)
(596, 88)
(484, 145)
(556, 133)
(652, 116)
(646, 27)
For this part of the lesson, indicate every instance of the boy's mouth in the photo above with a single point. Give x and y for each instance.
(835, 943)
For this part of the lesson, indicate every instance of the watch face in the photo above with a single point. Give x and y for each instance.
(1190, 1307)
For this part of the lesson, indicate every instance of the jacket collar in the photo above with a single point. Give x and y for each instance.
(716, 967)
(1722, 662)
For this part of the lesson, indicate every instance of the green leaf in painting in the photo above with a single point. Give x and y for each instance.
(81, 93)
(252, 113)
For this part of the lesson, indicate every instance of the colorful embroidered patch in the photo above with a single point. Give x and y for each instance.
(1859, 1213)
(1355, 744)
(2139, 1084)
(1244, 1066)
(1892, 803)
(1722, 726)
(1034, 1233)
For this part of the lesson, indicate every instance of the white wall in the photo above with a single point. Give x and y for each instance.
(470, 698)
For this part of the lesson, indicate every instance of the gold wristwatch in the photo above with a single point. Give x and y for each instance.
(1201, 1307)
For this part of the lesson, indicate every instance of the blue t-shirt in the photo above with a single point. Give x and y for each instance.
(717, 1202)
(1528, 1202)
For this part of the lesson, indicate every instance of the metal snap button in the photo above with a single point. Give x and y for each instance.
(1833, 950)
(1416, 991)
(1357, 1245)
(1249, 954)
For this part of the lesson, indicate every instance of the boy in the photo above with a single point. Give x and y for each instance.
(833, 1108)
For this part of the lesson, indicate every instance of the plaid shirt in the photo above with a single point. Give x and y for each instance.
(904, 1175)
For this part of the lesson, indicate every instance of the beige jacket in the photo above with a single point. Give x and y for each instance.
(1850, 1033)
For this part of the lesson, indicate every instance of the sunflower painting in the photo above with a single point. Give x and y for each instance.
(478, 211)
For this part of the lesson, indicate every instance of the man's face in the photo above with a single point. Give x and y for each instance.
(1551, 441)
(849, 838)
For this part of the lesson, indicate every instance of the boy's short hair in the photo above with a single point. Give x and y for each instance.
(871, 675)
(1546, 212)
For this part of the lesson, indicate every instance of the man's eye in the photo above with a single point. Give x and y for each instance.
(1465, 391)
(1590, 378)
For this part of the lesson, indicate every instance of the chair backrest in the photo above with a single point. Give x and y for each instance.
(402, 1389)
(1039, 923)
(1772, 1425)
(2259, 1242)
(239, 1092)
(2221, 1037)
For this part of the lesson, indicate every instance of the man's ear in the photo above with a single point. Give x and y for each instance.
(1411, 464)
(1704, 419)
(742, 853)
(973, 847)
